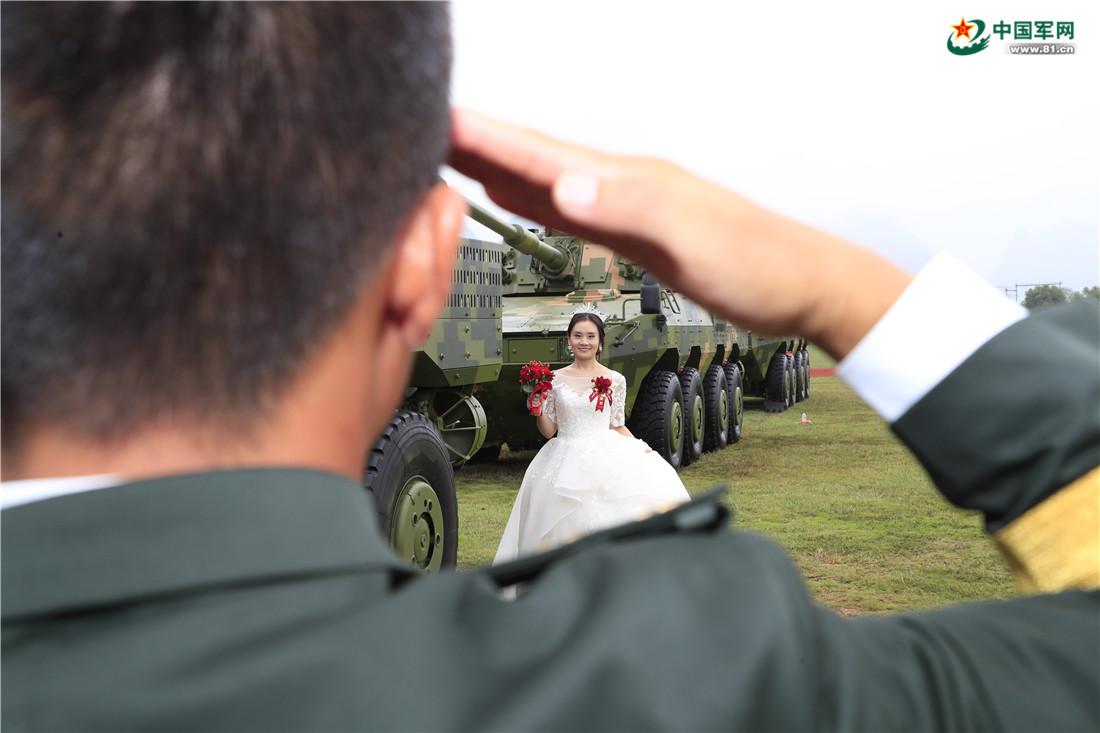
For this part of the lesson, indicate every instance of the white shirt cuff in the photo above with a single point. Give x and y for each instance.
(943, 317)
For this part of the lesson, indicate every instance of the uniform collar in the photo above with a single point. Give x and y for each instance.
(182, 533)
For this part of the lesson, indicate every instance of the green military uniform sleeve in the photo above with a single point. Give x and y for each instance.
(1018, 420)
(714, 631)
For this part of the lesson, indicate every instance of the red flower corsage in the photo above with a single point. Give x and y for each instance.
(601, 390)
(535, 378)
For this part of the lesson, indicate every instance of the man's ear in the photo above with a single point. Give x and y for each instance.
(424, 257)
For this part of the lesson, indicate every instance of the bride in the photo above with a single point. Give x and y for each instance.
(594, 474)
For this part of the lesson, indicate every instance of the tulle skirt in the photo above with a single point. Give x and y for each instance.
(575, 486)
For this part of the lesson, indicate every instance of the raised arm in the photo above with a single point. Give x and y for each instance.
(785, 277)
(1027, 458)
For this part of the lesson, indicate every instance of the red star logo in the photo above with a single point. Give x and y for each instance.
(963, 29)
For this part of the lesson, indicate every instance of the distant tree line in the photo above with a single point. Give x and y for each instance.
(1042, 296)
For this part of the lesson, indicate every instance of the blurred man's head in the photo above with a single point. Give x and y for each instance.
(195, 195)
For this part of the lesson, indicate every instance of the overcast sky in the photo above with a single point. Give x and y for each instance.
(850, 116)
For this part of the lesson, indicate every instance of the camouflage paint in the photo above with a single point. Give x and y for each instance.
(465, 345)
(508, 308)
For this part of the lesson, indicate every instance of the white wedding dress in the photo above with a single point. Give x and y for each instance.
(588, 477)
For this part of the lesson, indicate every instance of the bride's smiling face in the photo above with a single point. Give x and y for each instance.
(584, 339)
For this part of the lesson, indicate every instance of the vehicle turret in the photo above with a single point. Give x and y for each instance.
(546, 261)
(554, 259)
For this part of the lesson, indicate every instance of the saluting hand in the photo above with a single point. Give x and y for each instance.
(756, 268)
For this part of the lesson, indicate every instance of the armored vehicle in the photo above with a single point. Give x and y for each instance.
(688, 372)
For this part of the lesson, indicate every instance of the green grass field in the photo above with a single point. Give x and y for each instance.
(851, 506)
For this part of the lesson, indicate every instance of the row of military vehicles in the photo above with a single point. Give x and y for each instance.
(688, 373)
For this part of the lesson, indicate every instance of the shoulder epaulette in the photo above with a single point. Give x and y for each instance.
(703, 513)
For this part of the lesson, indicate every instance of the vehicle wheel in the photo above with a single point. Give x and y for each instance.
(691, 385)
(775, 384)
(805, 374)
(790, 379)
(658, 416)
(799, 395)
(716, 407)
(409, 473)
(461, 422)
(736, 402)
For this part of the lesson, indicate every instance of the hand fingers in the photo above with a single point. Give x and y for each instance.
(520, 168)
(641, 207)
(526, 154)
(615, 200)
(653, 212)
(748, 265)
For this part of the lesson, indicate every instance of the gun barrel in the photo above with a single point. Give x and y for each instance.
(516, 236)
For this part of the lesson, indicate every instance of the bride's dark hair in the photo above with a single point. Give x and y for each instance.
(591, 317)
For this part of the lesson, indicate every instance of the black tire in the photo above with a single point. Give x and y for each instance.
(736, 402)
(409, 474)
(716, 406)
(695, 427)
(790, 379)
(658, 416)
(805, 374)
(799, 377)
(775, 384)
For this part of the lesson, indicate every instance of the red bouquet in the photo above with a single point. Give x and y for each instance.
(535, 378)
(601, 389)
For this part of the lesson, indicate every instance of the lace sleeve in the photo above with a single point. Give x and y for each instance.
(618, 400)
(549, 404)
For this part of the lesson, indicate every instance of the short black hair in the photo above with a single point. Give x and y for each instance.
(195, 193)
